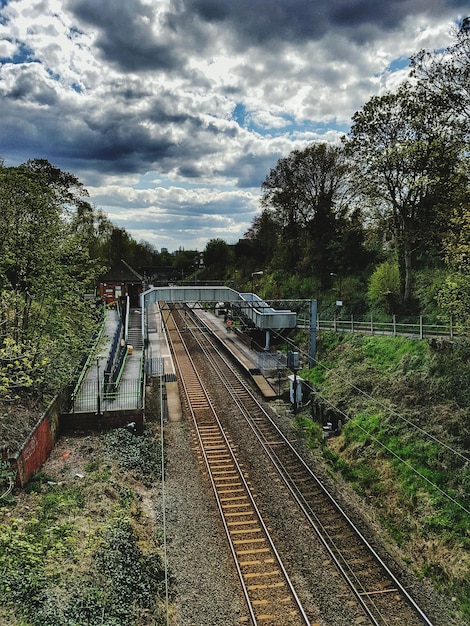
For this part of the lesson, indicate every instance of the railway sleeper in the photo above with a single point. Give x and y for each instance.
(241, 523)
(225, 483)
(252, 551)
(246, 531)
(240, 513)
(275, 573)
(257, 562)
(233, 499)
(278, 585)
(242, 542)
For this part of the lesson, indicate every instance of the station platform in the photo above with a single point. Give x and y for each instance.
(243, 354)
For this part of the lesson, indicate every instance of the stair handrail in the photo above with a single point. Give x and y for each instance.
(126, 330)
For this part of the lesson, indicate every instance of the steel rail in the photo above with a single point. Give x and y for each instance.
(247, 588)
(291, 484)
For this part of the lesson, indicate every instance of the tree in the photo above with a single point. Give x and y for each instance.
(44, 271)
(66, 187)
(258, 246)
(217, 256)
(407, 168)
(31, 227)
(305, 183)
(384, 286)
(304, 196)
(454, 296)
(446, 75)
(184, 261)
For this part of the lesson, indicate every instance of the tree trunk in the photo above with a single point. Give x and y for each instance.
(408, 273)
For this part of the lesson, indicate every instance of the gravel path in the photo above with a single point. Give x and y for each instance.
(207, 589)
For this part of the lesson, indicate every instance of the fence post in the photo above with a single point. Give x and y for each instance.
(371, 325)
(451, 328)
(313, 334)
(421, 327)
(394, 325)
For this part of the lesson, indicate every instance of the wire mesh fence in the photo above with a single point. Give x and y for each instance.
(95, 396)
(271, 361)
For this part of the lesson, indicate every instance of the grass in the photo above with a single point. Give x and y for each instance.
(394, 353)
(396, 466)
(85, 551)
(312, 431)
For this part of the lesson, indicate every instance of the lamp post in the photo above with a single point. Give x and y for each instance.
(339, 301)
(253, 274)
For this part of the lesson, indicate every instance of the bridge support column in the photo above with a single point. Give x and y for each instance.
(268, 340)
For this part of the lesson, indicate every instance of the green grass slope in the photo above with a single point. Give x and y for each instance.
(404, 446)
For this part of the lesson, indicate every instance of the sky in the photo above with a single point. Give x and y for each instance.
(173, 112)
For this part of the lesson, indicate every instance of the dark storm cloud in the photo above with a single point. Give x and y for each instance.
(134, 37)
(28, 88)
(258, 21)
(176, 110)
(125, 34)
(107, 143)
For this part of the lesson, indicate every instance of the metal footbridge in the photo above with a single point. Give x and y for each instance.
(261, 314)
(111, 381)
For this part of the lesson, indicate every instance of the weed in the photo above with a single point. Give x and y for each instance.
(133, 452)
(36, 482)
(312, 430)
(54, 572)
(92, 466)
(381, 452)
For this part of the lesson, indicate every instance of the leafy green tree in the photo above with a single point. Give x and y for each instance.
(217, 258)
(185, 261)
(44, 271)
(115, 244)
(384, 286)
(31, 226)
(305, 183)
(304, 196)
(407, 169)
(454, 296)
(445, 74)
(258, 246)
(66, 187)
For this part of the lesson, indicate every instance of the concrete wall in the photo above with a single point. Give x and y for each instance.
(86, 422)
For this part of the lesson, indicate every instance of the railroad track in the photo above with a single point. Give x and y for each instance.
(270, 595)
(384, 600)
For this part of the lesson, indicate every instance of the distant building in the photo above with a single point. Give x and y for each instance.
(121, 281)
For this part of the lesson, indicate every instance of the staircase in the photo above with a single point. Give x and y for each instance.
(134, 335)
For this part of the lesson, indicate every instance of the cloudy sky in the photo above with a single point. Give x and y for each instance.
(172, 112)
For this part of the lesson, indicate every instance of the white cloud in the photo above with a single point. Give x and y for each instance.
(172, 113)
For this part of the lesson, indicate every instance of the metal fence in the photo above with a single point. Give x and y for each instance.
(154, 366)
(93, 397)
(271, 361)
(417, 329)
